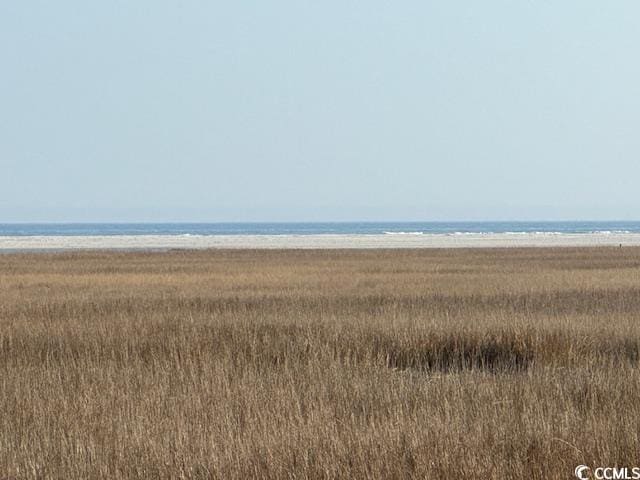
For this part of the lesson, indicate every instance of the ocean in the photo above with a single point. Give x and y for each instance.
(317, 228)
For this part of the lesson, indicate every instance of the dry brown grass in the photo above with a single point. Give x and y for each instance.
(319, 364)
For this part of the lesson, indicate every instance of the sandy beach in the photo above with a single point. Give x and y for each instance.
(161, 242)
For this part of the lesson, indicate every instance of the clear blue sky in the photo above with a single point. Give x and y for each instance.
(335, 110)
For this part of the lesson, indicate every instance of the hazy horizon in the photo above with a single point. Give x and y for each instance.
(320, 222)
(96, 216)
(254, 112)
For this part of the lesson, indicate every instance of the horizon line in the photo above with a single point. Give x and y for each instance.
(289, 222)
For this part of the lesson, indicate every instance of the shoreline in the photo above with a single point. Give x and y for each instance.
(324, 241)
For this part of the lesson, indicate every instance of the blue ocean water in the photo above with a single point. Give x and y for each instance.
(315, 228)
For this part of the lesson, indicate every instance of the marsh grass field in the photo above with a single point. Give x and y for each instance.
(437, 364)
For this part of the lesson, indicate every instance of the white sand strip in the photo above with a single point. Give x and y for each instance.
(472, 240)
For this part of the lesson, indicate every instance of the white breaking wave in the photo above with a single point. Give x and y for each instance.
(610, 232)
(404, 233)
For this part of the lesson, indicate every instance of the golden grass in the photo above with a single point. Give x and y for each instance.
(490, 364)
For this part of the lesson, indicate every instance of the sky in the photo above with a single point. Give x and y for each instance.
(295, 110)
